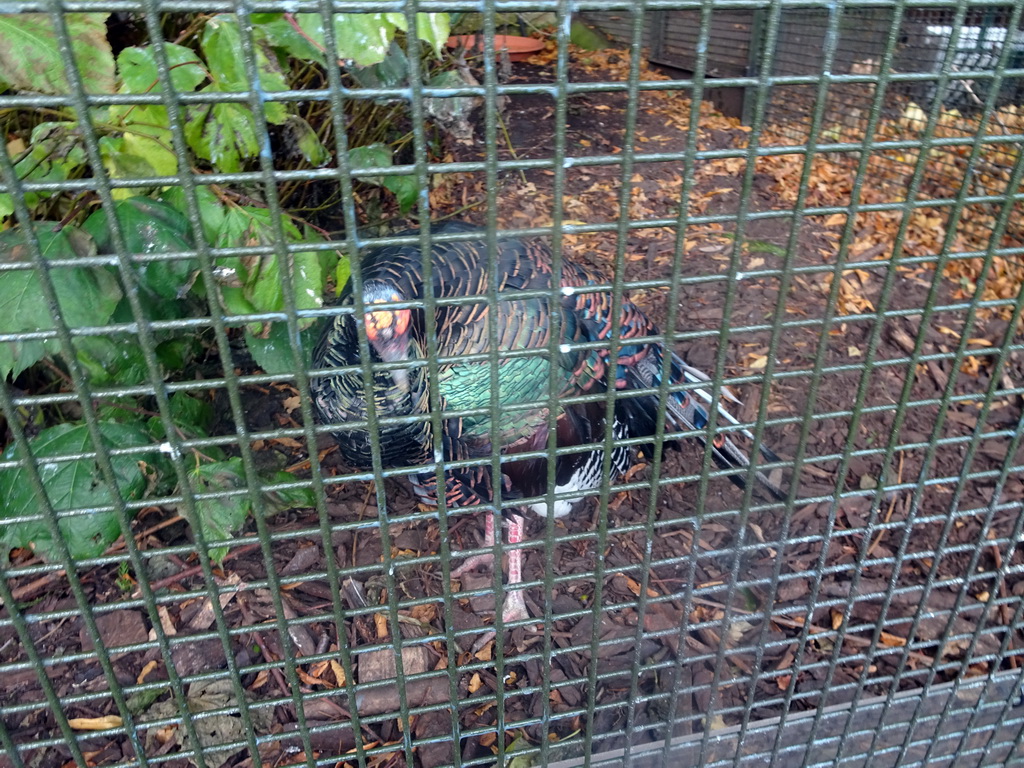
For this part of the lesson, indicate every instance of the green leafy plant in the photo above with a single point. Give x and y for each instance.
(92, 296)
(124, 580)
(136, 140)
(221, 135)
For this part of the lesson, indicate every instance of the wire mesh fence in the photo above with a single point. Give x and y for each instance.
(923, 49)
(235, 493)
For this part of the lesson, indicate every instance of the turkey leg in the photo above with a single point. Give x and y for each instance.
(515, 604)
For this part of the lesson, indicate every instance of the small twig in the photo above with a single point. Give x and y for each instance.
(653, 577)
(28, 590)
(1004, 609)
(60, 374)
(77, 205)
(362, 510)
(861, 641)
(158, 527)
(888, 514)
(511, 147)
(290, 18)
(456, 212)
(197, 569)
(269, 657)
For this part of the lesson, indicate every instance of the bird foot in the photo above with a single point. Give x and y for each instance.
(515, 610)
(515, 606)
(485, 559)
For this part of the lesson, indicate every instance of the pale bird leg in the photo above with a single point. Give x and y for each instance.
(487, 558)
(515, 603)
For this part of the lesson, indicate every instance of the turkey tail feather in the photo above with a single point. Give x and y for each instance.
(685, 412)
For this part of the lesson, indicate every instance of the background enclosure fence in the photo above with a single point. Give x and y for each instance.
(192, 575)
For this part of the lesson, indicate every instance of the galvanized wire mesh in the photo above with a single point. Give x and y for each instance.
(873, 617)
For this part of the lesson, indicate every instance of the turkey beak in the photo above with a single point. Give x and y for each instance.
(388, 332)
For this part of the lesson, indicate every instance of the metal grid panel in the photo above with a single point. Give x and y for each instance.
(935, 684)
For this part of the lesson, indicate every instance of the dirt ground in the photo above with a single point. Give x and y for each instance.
(782, 612)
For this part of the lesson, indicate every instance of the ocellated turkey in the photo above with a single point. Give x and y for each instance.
(393, 274)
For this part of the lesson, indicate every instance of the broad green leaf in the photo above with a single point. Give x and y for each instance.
(342, 273)
(258, 275)
(270, 348)
(266, 291)
(308, 279)
(112, 360)
(253, 284)
(221, 517)
(289, 498)
(434, 29)
(137, 69)
(63, 142)
(145, 148)
(211, 209)
(70, 485)
(175, 353)
(154, 146)
(272, 351)
(121, 163)
(86, 295)
(192, 417)
(370, 156)
(224, 134)
(263, 288)
(328, 258)
(241, 225)
(138, 153)
(191, 414)
(281, 34)
(222, 45)
(307, 272)
(151, 227)
(55, 153)
(405, 188)
(362, 38)
(238, 275)
(312, 25)
(30, 54)
(392, 72)
(519, 745)
(235, 303)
